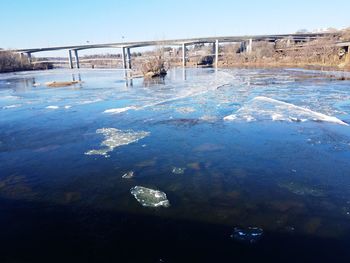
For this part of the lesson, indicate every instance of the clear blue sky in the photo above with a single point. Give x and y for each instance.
(42, 23)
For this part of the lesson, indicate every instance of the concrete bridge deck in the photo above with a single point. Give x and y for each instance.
(177, 42)
(126, 46)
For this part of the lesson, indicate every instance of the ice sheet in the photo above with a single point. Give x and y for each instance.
(263, 108)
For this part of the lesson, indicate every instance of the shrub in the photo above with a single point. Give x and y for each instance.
(155, 66)
(10, 61)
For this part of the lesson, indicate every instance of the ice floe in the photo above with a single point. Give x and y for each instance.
(119, 110)
(149, 197)
(52, 107)
(165, 96)
(128, 175)
(9, 97)
(263, 108)
(178, 170)
(247, 235)
(115, 138)
(12, 106)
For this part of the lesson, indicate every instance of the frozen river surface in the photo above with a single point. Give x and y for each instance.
(204, 166)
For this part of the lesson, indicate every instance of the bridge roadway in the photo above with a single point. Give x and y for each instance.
(246, 42)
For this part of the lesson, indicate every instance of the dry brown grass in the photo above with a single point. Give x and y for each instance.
(12, 62)
(58, 84)
(155, 65)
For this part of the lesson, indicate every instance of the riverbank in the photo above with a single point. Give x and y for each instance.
(345, 66)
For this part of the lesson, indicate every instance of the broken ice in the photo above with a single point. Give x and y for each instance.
(178, 170)
(128, 175)
(149, 197)
(115, 138)
(52, 107)
(247, 235)
(263, 108)
(119, 110)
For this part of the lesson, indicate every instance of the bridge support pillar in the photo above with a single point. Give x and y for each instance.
(29, 57)
(216, 45)
(128, 54)
(123, 58)
(76, 58)
(183, 54)
(242, 47)
(288, 42)
(250, 46)
(70, 59)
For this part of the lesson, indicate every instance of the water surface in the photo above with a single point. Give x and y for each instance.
(267, 148)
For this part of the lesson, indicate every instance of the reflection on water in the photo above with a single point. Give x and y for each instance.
(279, 167)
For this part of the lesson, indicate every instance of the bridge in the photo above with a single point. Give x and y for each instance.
(245, 41)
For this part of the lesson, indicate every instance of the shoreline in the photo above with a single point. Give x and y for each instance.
(248, 65)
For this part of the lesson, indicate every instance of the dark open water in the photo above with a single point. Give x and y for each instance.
(280, 161)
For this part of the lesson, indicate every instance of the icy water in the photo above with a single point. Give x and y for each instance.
(204, 166)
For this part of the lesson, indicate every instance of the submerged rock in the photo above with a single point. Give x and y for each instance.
(300, 189)
(205, 60)
(149, 197)
(208, 147)
(154, 74)
(194, 166)
(247, 235)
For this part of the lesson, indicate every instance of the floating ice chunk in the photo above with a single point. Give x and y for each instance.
(9, 97)
(149, 197)
(247, 235)
(119, 110)
(115, 138)
(263, 108)
(178, 170)
(11, 106)
(128, 175)
(52, 107)
(231, 117)
(67, 107)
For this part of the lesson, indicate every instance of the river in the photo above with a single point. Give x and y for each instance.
(230, 148)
